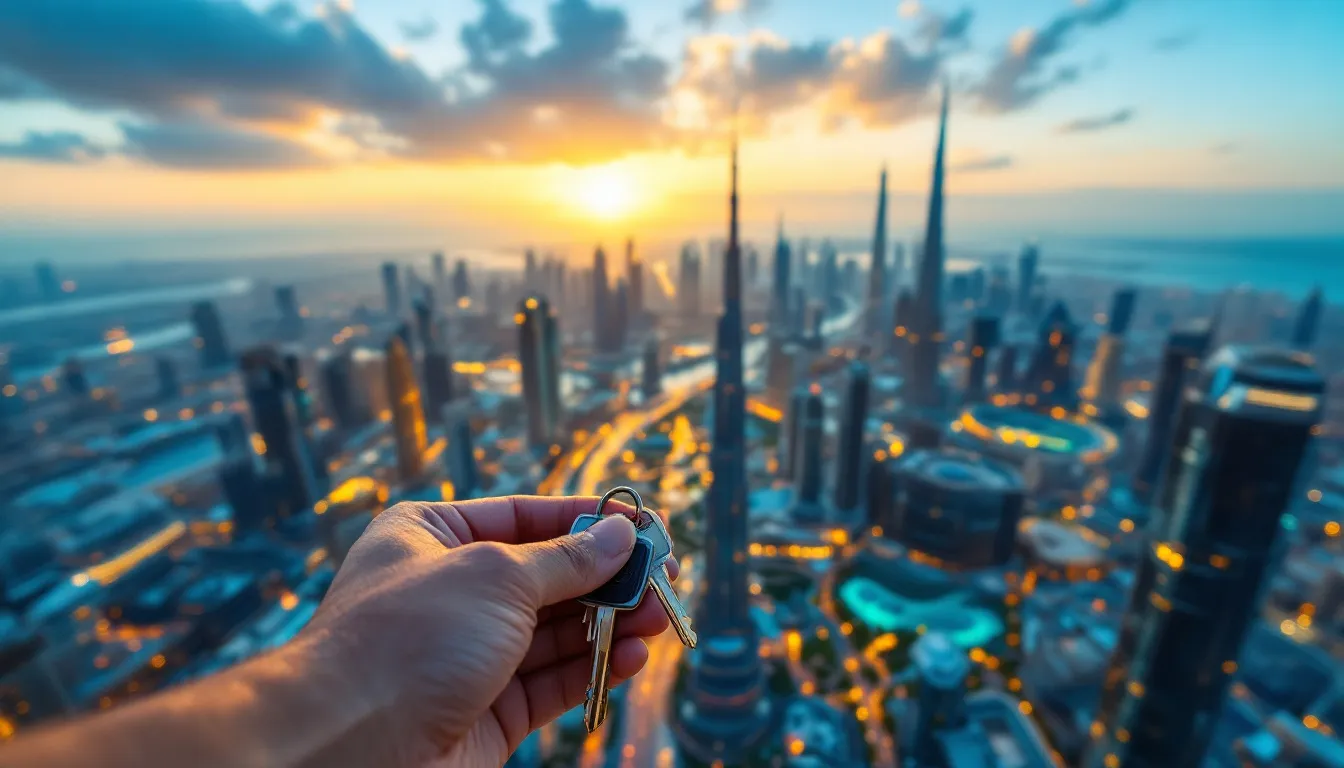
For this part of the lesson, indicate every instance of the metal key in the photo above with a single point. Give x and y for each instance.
(621, 593)
(661, 583)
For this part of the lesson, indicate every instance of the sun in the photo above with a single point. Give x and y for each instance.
(605, 192)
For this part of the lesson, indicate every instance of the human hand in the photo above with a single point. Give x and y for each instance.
(459, 620)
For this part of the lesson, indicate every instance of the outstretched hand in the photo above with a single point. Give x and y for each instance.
(460, 620)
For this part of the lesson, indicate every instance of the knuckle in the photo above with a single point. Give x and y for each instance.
(494, 558)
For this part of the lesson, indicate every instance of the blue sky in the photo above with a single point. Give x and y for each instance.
(107, 120)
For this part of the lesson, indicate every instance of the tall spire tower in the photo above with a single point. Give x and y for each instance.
(877, 320)
(726, 712)
(927, 328)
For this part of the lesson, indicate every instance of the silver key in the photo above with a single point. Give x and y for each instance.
(661, 583)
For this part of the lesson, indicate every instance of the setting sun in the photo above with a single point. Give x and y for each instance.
(605, 192)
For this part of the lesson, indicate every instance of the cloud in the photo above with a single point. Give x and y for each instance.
(1098, 122)
(1022, 74)
(1174, 42)
(707, 12)
(876, 81)
(984, 163)
(194, 65)
(420, 31)
(214, 147)
(52, 147)
(939, 29)
(1225, 148)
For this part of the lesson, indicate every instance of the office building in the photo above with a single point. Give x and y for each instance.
(1308, 322)
(290, 467)
(850, 452)
(537, 352)
(1048, 381)
(1027, 264)
(904, 316)
(531, 275)
(781, 288)
(620, 316)
(829, 285)
(634, 278)
(924, 386)
(651, 377)
(688, 281)
(808, 458)
(877, 320)
(603, 314)
(1005, 375)
(170, 384)
(790, 439)
(392, 289)
(725, 710)
(1101, 387)
(48, 285)
(438, 373)
(291, 314)
(408, 417)
(461, 282)
(422, 308)
(340, 401)
(984, 336)
(210, 339)
(941, 668)
(438, 268)
(461, 454)
(1240, 440)
(959, 508)
(1181, 356)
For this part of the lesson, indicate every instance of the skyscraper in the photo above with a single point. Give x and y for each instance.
(1184, 350)
(782, 283)
(983, 337)
(288, 456)
(209, 335)
(1101, 387)
(392, 289)
(688, 279)
(620, 316)
(829, 285)
(904, 316)
(1048, 381)
(438, 370)
(1308, 321)
(1241, 436)
(926, 332)
(634, 276)
(424, 323)
(725, 712)
(790, 439)
(291, 314)
(531, 275)
(652, 374)
(339, 399)
(461, 453)
(942, 669)
(408, 418)
(170, 384)
(461, 281)
(438, 267)
(850, 455)
(877, 318)
(1026, 276)
(807, 472)
(1006, 371)
(48, 285)
(602, 309)
(537, 350)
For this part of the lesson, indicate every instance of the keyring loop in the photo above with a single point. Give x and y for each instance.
(632, 493)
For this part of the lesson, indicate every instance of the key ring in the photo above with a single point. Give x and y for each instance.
(633, 494)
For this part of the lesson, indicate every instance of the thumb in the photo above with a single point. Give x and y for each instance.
(564, 568)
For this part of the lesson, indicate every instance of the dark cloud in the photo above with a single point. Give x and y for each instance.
(52, 147)
(420, 31)
(1174, 42)
(707, 12)
(1098, 122)
(1023, 72)
(212, 146)
(937, 28)
(992, 163)
(218, 75)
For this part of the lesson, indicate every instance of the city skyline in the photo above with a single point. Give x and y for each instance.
(1057, 105)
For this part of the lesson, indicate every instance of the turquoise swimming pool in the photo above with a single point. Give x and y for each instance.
(883, 610)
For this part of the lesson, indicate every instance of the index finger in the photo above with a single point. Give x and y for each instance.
(525, 519)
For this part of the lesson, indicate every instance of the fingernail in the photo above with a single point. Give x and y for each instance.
(614, 535)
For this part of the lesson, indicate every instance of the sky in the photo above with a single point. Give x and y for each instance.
(242, 127)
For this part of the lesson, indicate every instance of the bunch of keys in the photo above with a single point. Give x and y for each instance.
(646, 569)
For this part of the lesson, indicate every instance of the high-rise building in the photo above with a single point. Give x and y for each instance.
(408, 418)
(781, 285)
(725, 712)
(48, 285)
(790, 439)
(983, 337)
(339, 399)
(392, 289)
(620, 316)
(829, 285)
(904, 316)
(941, 667)
(878, 321)
(1308, 322)
(461, 454)
(923, 385)
(537, 350)
(438, 267)
(170, 384)
(423, 312)
(850, 452)
(1048, 381)
(602, 304)
(242, 489)
(73, 377)
(652, 373)
(807, 471)
(288, 456)
(461, 282)
(291, 314)
(531, 276)
(1184, 351)
(1101, 387)
(210, 339)
(1027, 264)
(634, 277)
(781, 358)
(688, 279)
(1240, 440)
(753, 267)
(1005, 376)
